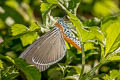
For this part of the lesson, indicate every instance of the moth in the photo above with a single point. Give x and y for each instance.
(50, 48)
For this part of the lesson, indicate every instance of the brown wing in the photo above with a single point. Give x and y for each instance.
(47, 50)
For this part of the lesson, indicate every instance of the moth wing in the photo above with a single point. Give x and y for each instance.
(47, 50)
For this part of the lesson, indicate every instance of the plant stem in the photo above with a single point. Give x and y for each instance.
(83, 60)
(90, 74)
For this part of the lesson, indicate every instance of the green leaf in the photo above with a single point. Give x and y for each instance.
(113, 58)
(7, 58)
(112, 34)
(29, 38)
(11, 54)
(77, 23)
(107, 77)
(18, 29)
(77, 68)
(71, 78)
(34, 26)
(52, 1)
(114, 74)
(12, 4)
(83, 34)
(73, 4)
(98, 34)
(105, 7)
(1, 64)
(54, 74)
(105, 25)
(89, 46)
(102, 50)
(10, 59)
(45, 7)
(86, 35)
(31, 72)
(69, 57)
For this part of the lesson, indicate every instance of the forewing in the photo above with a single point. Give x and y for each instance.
(35, 44)
(47, 50)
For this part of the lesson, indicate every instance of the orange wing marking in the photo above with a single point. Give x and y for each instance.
(67, 39)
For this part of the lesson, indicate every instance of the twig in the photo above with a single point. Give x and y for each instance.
(83, 60)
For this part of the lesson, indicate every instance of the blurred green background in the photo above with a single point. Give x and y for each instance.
(29, 13)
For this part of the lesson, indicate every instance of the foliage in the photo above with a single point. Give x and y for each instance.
(96, 24)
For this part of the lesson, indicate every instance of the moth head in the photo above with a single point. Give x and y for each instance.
(61, 21)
